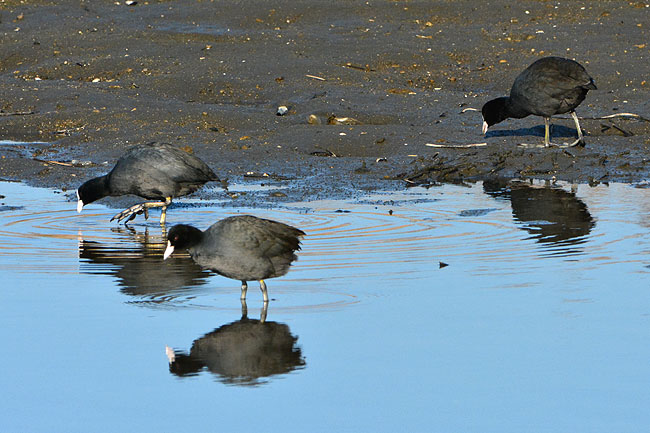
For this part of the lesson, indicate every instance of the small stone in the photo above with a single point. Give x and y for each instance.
(314, 120)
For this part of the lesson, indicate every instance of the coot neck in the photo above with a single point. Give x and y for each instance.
(193, 237)
(94, 189)
(511, 109)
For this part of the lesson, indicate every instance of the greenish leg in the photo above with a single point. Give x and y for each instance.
(265, 294)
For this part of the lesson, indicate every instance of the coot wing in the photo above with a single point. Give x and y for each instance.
(158, 170)
(549, 86)
(257, 236)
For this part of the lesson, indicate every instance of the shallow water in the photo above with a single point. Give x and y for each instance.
(539, 322)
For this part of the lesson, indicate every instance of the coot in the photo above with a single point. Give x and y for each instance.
(240, 247)
(246, 352)
(155, 171)
(551, 85)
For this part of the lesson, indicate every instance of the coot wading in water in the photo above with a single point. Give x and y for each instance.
(154, 171)
(242, 247)
(551, 85)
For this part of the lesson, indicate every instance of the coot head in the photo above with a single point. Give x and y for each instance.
(182, 236)
(494, 111)
(90, 191)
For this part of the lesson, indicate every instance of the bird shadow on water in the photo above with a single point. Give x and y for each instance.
(536, 131)
(246, 352)
(553, 217)
(136, 261)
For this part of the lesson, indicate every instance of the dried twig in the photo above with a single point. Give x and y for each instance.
(326, 152)
(17, 113)
(315, 77)
(621, 130)
(45, 161)
(358, 67)
(636, 116)
(67, 164)
(459, 146)
(610, 116)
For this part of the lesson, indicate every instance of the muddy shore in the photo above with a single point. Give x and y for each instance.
(367, 86)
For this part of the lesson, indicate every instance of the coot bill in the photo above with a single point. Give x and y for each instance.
(551, 85)
(242, 247)
(154, 171)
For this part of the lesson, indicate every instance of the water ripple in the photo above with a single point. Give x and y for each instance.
(490, 230)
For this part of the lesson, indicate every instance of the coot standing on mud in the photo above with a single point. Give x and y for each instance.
(242, 247)
(551, 85)
(155, 171)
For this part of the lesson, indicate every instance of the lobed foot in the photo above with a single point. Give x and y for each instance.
(130, 213)
(578, 142)
(137, 209)
(531, 146)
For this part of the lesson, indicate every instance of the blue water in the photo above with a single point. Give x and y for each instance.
(540, 322)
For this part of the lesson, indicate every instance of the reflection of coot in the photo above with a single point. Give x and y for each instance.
(550, 215)
(139, 267)
(242, 352)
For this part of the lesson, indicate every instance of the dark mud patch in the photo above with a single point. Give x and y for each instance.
(575, 164)
(367, 86)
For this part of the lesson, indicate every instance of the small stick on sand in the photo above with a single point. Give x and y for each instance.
(17, 113)
(358, 67)
(67, 164)
(459, 146)
(610, 116)
(621, 130)
(315, 77)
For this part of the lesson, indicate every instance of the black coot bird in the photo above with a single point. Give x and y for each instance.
(551, 85)
(247, 352)
(242, 247)
(155, 171)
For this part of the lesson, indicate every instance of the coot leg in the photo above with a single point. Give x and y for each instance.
(265, 294)
(163, 214)
(244, 309)
(580, 141)
(143, 208)
(547, 133)
(264, 312)
(244, 288)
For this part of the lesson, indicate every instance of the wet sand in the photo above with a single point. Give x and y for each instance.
(92, 78)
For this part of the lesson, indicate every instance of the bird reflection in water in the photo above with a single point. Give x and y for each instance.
(554, 217)
(139, 267)
(246, 352)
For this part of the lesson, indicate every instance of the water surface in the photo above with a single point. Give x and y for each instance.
(457, 308)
